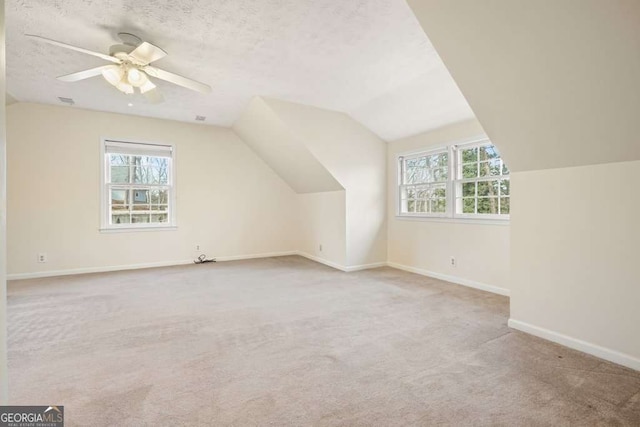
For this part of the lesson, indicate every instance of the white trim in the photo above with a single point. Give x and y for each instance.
(104, 269)
(255, 256)
(452, 279)
(322, 261)
(86, 270)
(136, 229)
(577, 344)
(455, 220)
(339, 266)
(462, 141)
(361, 267)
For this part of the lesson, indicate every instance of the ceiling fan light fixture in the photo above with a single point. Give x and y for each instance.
(125, 87)
(136, 77)
(147, 86)
(113, 74)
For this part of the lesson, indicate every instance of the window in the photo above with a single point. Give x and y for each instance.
(424, 182)
(462, 181)
(482, 181)
(138, 185)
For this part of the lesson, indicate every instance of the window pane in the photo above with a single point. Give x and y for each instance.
(505, 170)
(470, 170)
(120, 174)
(421, 206)
(468, 189)
(488, 152)
(504, 205)
(410, 193)
(140, 218)
(119, 200)
(505, 187)
(438, 160)
(469, 205)
(487, 205)
(159, 196)
(439, 205)
(487, 188)
(159, 217)
(470, 155)
(422, 192)
(440, 175)
(120, 218)
(140, 200)
(118, 160)
(411, 205)
(410, 175)
(440, 192)
(490, 167)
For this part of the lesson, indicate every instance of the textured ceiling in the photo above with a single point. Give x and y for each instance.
(368, 58)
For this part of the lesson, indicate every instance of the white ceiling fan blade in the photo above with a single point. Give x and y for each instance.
(78, 49)
(81, 75)
(177, 79)
(147, 53)
(154, 96)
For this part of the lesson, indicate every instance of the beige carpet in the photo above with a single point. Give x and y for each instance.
(285, 341)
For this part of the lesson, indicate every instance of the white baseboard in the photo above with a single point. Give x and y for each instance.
(73, 271)
(365, 266)
(339, 266)
(86, 270)
(577, 344)
(255, 256)
(452, 279)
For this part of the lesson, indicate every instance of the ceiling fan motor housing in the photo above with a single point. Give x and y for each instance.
(120, 48)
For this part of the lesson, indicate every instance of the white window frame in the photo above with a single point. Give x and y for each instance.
(453, 184)
(143, 148)
(401, 158)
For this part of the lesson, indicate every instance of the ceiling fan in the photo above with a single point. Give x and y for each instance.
(131, 67)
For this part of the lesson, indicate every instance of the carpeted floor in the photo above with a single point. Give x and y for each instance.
(285, 341)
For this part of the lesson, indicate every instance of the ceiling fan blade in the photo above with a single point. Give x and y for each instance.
(81, 75)
(154, 96)
(78, 49)
(177, 79)
(147, 53)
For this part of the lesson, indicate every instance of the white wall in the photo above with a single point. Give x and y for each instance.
(4, 393)
(228, 200)
(322, 221)
(356, 158)
(545, 76)
(481, 249)
(575, 236)
(271, 139)
(555, 85)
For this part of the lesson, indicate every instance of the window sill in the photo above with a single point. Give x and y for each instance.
(476, 221)
(136, 229)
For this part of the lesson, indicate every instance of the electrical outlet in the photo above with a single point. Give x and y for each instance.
(320, 248)
(452, 262)
(42, 257)
(197, 247)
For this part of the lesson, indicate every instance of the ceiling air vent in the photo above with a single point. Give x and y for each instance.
(200, 118)
(64, 100)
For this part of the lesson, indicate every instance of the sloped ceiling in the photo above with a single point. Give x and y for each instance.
(369, 58)
(553, 83)
(271, 139)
